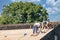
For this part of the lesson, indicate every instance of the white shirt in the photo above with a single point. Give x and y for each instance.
(38, 24)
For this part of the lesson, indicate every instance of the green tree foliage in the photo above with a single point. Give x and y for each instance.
(23, 12)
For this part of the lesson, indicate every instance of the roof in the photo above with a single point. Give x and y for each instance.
(19, 34)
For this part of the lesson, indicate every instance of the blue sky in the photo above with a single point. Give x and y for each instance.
(52, 6)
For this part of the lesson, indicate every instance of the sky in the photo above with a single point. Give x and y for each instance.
(52, 7)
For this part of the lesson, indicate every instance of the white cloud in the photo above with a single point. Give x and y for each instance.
(50, 10)
(15, 0)
(54, 6)
(33, 0)
(55, 18)
(50, 2)
(54, 9)
(25, 0)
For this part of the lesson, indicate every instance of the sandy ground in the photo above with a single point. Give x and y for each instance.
(19, 34)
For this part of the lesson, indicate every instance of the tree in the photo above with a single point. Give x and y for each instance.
(23, 12)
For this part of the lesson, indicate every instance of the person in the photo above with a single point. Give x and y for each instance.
(47, 24)
(35, 28)
(43, 24)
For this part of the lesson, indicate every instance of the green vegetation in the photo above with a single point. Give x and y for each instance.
(23, 12)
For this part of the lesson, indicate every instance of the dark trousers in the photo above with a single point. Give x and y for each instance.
(35, 29)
